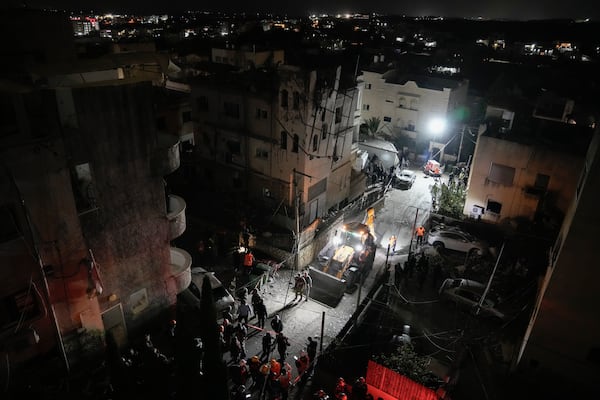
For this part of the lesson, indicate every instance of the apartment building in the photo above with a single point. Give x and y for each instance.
(85, 245)
(525, 167)
(272, 136)
(406, 104)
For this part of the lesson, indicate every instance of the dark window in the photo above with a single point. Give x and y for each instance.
(542, 181)
(186, 116)
(368, 86)
(231, 110)
(202, 103)
(8, 229)
(296, 144)
(283, 141)
(261, 153)
(387, 119)
(366, 107)
(323, 114)
(296, 101)
(234, 147)
(338, 115)
(324, 131)
(284, 98)
(494, 206)
(315, 143)
(501, 174)
(263, 114)
(161, 124)
(19, 307)
(258, 113)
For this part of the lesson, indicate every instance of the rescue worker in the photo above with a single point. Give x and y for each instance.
(359, 389)
(420, 234)
(299, 284)
(341, 388)
(285, 380)
(308, 283)
(302, 364)
(249, 262)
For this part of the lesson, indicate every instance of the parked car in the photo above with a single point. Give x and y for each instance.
(405, 178)
(221, 295)
(460, 282)
(467, 298)
(453, 238)
(432, 168)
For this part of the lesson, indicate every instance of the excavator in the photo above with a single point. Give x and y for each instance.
(352, 254)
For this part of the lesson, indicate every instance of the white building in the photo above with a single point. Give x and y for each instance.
(407, 103)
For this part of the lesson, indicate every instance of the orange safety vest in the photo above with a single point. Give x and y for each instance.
(248, 260)
(420, 231)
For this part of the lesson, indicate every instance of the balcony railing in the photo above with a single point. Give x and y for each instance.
(180, 271)
(166, 155)
(176, 216)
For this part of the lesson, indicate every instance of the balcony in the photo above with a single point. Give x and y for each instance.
(176, 216)
(166, 155)
(180, 273)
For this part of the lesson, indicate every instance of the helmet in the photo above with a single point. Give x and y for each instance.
(342, 396)
(341, 380)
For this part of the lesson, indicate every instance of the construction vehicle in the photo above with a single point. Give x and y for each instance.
(345, 262)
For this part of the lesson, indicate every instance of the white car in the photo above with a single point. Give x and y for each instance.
(405, 178)
(467, 298)
(452, 238)
(221, 295)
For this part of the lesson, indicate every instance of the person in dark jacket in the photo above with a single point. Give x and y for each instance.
(277, 324)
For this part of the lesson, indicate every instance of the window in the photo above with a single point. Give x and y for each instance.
(186, 116)
(8, 229)
(261, 114)
(338, 115)
(323, 114)
(315, 143)
(296, 144)
(368, 86)
(410, 126)
(366, 107)
(231, 110)
(83, 188)
(389, 101)
(202, 103)
(284, 98)
(19, 307)
(387, 119)
(234, 147)
(283, 140)
(542, 181)
(161, 124)
(262, 153)
(494, 206)
(324, 131)
(501, 174)
(296, 101)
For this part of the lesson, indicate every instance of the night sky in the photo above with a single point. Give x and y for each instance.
(508, 9)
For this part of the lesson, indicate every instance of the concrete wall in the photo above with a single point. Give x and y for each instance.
(528, 161)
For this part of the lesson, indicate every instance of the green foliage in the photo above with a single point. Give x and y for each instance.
(450, 199)
(407, 362)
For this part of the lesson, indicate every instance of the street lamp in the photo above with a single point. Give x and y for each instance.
(436, 126)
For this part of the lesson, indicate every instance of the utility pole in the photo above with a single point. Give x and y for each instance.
(462, 136)
(297, 217)
(489, 283)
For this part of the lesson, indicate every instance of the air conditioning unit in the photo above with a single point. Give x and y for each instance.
(477, 210)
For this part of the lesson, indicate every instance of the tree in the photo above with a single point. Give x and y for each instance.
(372, 127)
(407, 362)
(450, 201)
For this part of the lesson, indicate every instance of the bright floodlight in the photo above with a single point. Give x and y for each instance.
(437, 125)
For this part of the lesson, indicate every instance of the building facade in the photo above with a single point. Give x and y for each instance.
(406, 104)
(274, 136)
(524, 170)
(86, 222)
